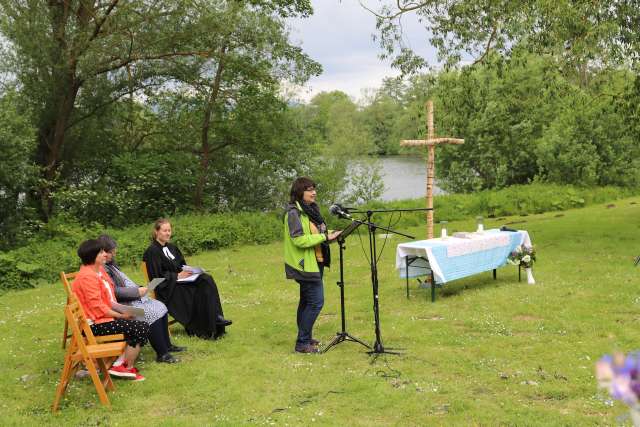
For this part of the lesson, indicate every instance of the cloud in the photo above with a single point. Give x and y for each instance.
(349, 76)
(339, 36)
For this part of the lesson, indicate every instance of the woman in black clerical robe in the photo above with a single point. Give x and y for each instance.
(195, 304)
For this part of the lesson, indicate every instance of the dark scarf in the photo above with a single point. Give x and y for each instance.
(114, 273)
(313, 212)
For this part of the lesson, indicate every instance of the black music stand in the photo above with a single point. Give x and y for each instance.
(343, 335)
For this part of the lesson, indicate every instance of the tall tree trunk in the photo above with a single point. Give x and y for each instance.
(50, 141)
(56, 114)
(206, 125)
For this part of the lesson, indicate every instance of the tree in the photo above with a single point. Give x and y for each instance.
(17, 172)
(581, 33)
(63, 49)
(337, 123)
(252, 55)
(593, 141)
(73, 57)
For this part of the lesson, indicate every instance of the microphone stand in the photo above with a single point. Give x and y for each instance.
(343, 335)
(378, 347)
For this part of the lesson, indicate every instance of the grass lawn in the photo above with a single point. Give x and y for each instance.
(486, 353)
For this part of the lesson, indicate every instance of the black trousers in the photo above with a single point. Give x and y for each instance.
(159, 335)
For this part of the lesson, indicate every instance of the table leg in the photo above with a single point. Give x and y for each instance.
(494, 274)
(433, 288)
(406, 265)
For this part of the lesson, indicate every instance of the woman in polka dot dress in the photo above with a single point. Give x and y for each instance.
(95, 291)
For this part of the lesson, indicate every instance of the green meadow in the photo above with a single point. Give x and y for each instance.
(487, 352)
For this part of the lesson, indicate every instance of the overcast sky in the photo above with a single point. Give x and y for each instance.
(339, 36)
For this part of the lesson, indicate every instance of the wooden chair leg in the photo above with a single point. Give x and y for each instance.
(106, 378)
(65, 334)
(91, 367)
(65, 376)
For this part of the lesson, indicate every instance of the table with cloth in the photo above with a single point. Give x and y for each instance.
(454, 257)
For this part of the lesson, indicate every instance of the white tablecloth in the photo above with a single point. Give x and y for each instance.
(454, 257)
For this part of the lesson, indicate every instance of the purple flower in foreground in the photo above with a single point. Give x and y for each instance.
(619, 374)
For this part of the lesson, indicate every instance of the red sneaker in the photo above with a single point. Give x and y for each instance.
(122, 372)
(138, 378)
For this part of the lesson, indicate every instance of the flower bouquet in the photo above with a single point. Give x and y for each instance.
(620, 375)
(524, 256)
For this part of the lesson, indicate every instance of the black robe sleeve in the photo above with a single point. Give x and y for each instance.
(158, 265)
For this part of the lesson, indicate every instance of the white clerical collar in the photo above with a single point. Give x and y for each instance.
(167, 253)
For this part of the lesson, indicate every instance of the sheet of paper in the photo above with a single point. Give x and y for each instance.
(194, 270)
(154, 284)
(188, 279)
(127, 309)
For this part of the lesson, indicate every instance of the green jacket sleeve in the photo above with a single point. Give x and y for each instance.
(309, 240)
(297, 234)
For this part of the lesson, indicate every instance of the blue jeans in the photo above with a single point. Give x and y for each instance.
(311, 302)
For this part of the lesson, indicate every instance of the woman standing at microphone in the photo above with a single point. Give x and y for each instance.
(306, 253)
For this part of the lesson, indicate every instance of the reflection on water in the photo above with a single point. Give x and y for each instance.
(405, 177)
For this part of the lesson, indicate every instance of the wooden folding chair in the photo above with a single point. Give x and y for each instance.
(145, 275)
(65, 278)
(84, 348)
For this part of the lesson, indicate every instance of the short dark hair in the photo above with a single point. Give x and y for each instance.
(88, 251)
(108, 244)
(298, 187)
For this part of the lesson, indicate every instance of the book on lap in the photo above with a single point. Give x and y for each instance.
(195, 273)
(189, 279)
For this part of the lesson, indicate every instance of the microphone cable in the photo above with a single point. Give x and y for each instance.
(387, 235)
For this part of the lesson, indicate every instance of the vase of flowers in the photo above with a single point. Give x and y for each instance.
(620, 376)
(524, 256)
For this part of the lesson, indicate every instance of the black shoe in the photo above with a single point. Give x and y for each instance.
(306, 348)
(221, 321)
(176, 348)
(166, 358)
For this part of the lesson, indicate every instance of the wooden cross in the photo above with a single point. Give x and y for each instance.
(431, 143)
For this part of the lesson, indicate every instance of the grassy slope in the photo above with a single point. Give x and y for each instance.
(487, 352)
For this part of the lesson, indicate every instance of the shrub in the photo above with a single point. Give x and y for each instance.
(55, 247)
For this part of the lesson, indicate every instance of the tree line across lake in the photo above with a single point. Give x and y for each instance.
(116, 113)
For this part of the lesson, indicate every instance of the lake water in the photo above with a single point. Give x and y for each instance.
(405, 177)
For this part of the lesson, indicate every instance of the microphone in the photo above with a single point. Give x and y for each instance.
(338, 211)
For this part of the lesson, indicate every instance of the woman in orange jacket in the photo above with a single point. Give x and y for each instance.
(96, 294)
